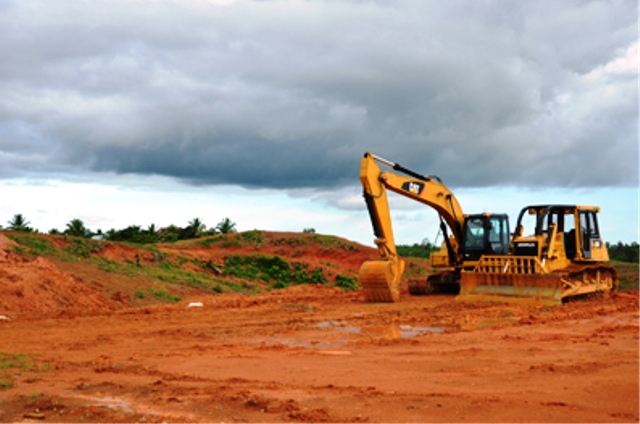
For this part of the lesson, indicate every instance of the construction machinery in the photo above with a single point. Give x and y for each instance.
(564, 257)
(467, 238)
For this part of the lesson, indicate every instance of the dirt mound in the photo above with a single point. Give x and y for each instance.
(37, 285)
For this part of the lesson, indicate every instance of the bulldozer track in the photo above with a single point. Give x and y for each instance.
(578, 280)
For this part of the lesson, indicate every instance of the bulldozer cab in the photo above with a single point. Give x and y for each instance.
(485, 234)
(570, 231)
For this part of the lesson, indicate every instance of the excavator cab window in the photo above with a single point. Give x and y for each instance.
(485, 234)
(474, 236)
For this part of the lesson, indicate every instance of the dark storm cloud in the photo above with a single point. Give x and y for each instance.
(290, 94)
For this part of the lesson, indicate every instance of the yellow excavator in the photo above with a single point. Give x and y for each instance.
(467, 238)
(564, 257)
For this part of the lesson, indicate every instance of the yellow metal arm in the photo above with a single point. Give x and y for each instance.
(427, 190)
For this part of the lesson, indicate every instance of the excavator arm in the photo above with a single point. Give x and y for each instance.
(381, 279)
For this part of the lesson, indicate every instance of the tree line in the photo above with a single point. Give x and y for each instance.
(617, 252)
(624, 252)
(196, 228)
(133, 233)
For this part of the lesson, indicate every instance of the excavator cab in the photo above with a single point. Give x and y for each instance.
(484, 234)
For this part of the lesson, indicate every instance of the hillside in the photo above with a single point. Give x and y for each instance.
(48, 274)
(55, 273)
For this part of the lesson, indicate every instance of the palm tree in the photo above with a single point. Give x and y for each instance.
(20, 223)
(195, 229)
(226, 226)
(152, 230)
(76, 228)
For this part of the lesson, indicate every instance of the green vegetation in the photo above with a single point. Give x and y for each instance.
(162, 295)
(19, 223)
(624, 252)
(76, 228)
(14, 365)
(32, 244)
(273, 269)
(333, 241)
(417, 250)
(628, 275)
(134, 234)
(254, 236)
(346, 282)
(241, 273)
(226, 226)
(82, 247)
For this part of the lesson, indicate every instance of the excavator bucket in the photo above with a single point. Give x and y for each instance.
(510, 279)
(380, 280)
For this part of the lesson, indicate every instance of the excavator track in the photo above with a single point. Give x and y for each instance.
(380, 281)
(443, 282)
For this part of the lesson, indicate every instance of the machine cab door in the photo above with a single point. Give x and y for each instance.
(486, 234)
(591, 245)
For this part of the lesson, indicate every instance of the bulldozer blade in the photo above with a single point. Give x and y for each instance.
(543, 289)
(380, 281)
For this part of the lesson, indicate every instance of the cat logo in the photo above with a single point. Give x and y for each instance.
(413, 187)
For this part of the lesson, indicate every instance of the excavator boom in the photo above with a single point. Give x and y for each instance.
(381, 279)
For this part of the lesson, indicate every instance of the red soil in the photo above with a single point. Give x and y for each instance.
(306, 353)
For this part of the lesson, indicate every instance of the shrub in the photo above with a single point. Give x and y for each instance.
(346, 282)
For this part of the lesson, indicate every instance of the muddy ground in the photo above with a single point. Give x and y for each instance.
(308, 353)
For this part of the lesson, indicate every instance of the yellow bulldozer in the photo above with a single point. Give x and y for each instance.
(466, 237)
(565, 255)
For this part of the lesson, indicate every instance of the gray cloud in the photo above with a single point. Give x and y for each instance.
(289, 94)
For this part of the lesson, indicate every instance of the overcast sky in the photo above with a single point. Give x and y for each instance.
(261, 110)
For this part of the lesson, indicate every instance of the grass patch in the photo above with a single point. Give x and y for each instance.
(333, 241)
(254, 237)
(210, 241)
(162, 295)
(35, 245)
(628, 274)
(15, 365)
(273, 269)
(346, 282)
(82, 247)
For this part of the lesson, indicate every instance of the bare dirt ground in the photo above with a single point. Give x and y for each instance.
(308, 353)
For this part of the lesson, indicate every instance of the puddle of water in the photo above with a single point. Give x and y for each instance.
(395, 331)
(110, 402)
(289, 342)
(326, 324)
(349, 329)
(407, 331)
(119, 403)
